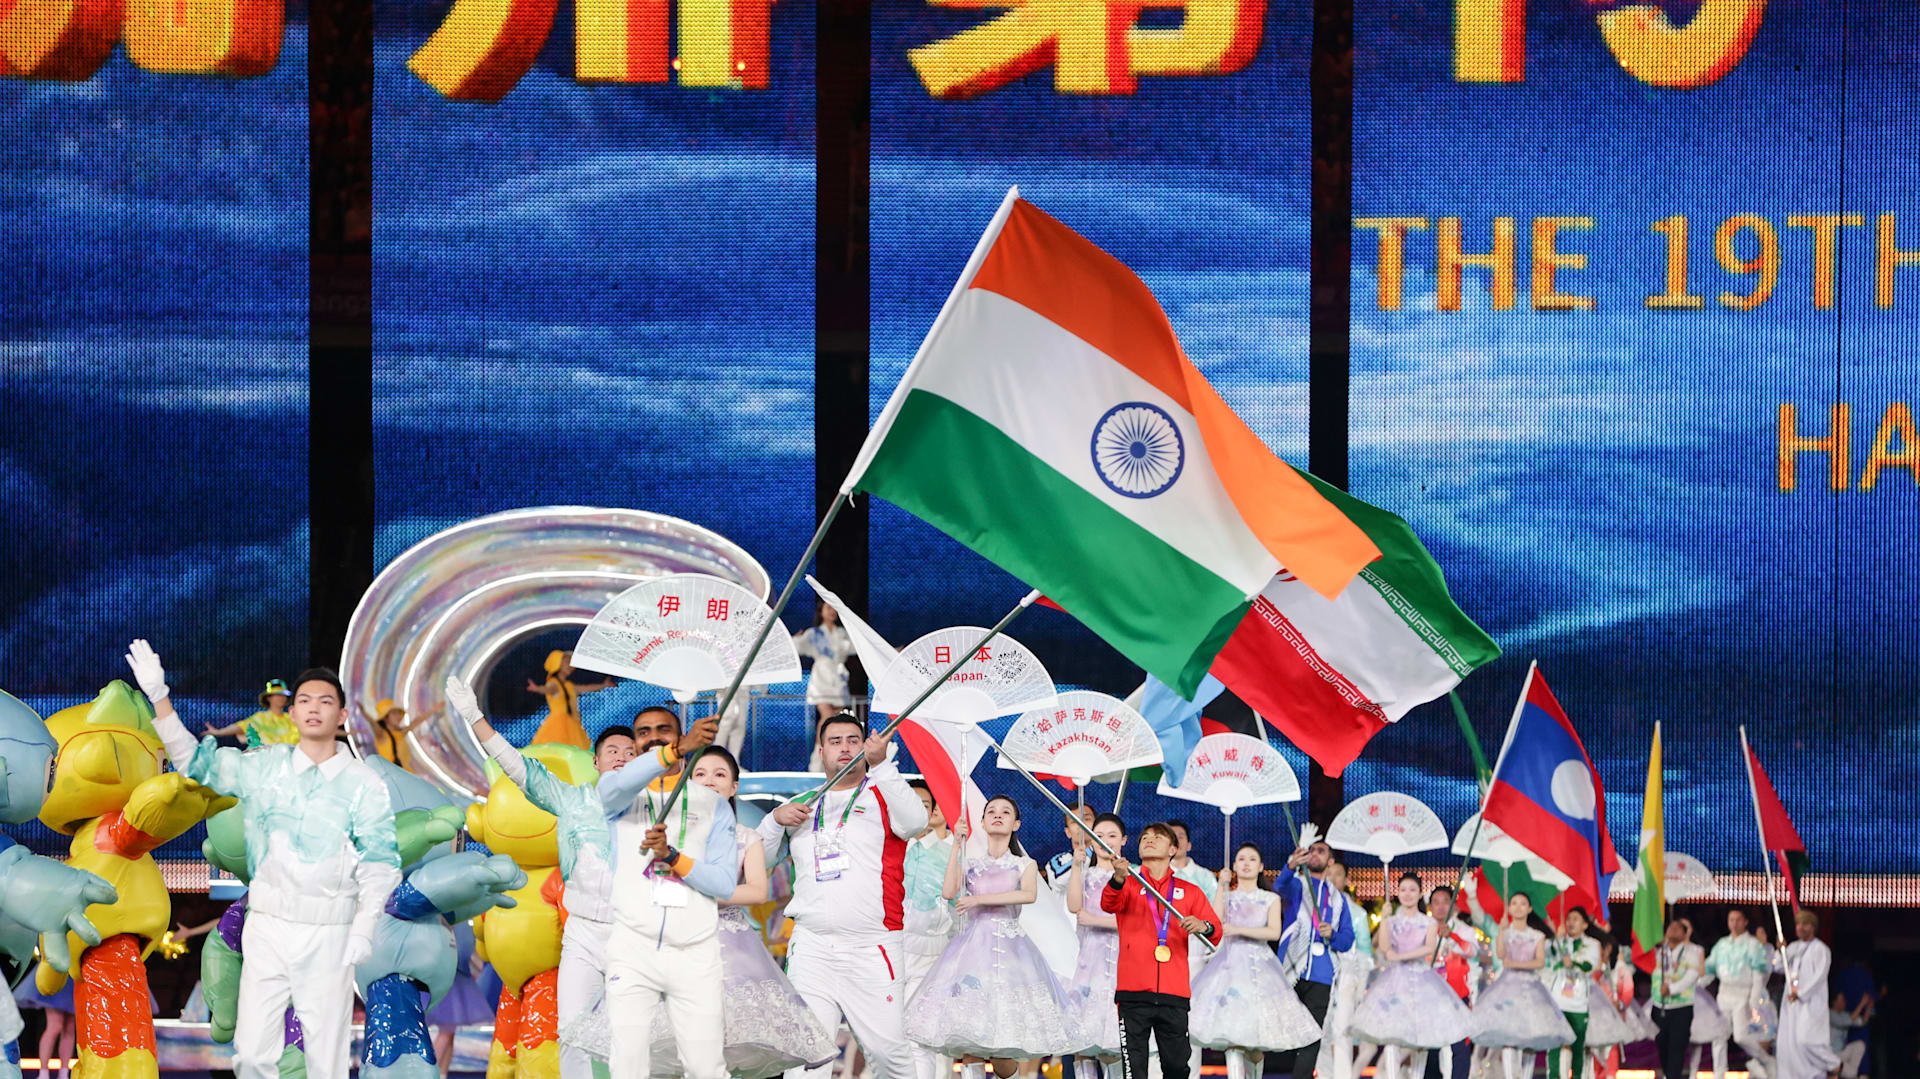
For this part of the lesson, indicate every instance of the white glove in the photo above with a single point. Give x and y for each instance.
(147, 670)
(461, 697)
(1309, 835)
(359, 950)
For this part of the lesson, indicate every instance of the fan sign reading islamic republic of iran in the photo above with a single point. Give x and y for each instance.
(1137, 449)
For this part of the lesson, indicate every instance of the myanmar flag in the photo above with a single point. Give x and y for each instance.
(1649, 892)
(1052, 423)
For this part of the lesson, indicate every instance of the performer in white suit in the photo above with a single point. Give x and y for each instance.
(1739, 963)
(1804, 1046)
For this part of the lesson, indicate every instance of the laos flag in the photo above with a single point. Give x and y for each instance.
(1547, 796)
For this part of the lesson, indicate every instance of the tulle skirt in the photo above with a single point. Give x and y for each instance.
(28, 997)
(1710, 1024)
(1606, 1025)
(1410, 1006)
(1640, 1015)
(462, 1006)
(1241, 1000)
(1516, 1012)
(992, 994)
(766, 1025)
(1090, 997)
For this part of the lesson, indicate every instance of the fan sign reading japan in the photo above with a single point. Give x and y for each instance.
(1387, 825)
(1084, 734)
(1000, 678)
(686, 633)
(1685, 878)
(1235, 770)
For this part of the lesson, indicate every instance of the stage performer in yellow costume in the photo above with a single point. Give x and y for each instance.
(110, 795)
(563, 703)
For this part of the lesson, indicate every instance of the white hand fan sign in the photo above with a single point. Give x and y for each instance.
(1082, 735)
(1235, 770)
(1386, 825)
(1685, 878)
(1494, 845)
(1001, 679)
(686, 633)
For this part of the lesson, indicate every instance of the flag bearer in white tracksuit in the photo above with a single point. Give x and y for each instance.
(849, 855)
(585, 841)
(320, 843)
(670, 868)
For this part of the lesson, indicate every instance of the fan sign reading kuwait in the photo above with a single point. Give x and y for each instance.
(687, 633)
(1233, 771)
(1137, 449)
(1086, 734)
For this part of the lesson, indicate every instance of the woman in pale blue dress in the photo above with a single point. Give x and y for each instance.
(1408, 1006)
(991, 994)
(1516, 1014)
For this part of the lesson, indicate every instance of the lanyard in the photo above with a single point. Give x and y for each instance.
(1162, 920)
(820, 808)
(653, 817)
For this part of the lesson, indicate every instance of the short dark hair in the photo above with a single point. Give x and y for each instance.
(1159, 828)
(615, 731)
(322, 674)
(919, 784)
(820, 734)
(1113, 819)
(663, 710)
(1447, 888)
(1184, 830)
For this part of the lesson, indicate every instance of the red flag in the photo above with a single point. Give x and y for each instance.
(1777, 833)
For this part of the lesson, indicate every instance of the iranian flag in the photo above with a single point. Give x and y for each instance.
(1649, 892)
(1331, 675)
(1051, 422)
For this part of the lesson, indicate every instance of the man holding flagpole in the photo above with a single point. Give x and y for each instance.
(1319, 929)
(849, 850)
(1806, 1051)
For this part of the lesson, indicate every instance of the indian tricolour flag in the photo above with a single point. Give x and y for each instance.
(1051, 422)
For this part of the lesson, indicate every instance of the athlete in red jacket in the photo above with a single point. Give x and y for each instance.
(1150, 988)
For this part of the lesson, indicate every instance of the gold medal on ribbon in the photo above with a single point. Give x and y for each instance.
(1162, 953)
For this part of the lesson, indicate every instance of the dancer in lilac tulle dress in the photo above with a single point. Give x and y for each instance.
(991, 995)
(766, 1026)
(1408, 1006)
(1091, 993)
(1242, 1002)
(1516, 1014)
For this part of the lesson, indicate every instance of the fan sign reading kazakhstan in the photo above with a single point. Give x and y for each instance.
(1386, 824)
(1084, 734)
(1137, 449)
(1235, 770)
(686, 633)
(1685, 878)
(1000, 678)
(1490, 843)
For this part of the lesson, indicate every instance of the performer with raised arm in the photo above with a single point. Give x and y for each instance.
(1097, 965)
(849, 849)
(585, 842)
(991, 995)
(1319, 928)
(321, 847)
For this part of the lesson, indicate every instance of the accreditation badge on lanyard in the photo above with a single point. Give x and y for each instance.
(1319, 946)
(663, 888)
(830, 845)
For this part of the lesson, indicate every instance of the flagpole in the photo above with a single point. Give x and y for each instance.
(1120, 795)
(753, 651)
(1466, 860)
(1766, 859)
(890, 728)
(1133, 871)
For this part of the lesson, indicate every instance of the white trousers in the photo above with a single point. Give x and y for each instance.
(643, 976)
(581, 981)
(1336, 1058)
(927, 1064)
(296, 963)
(1732, 996)
(862, 981)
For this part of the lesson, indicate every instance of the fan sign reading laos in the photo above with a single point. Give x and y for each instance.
(1632, 350)
(593, 266)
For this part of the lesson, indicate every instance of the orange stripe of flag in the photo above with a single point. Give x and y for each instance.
(1048, 268)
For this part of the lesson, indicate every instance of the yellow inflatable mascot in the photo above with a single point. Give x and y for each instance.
(110, 795)
(523, 942)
